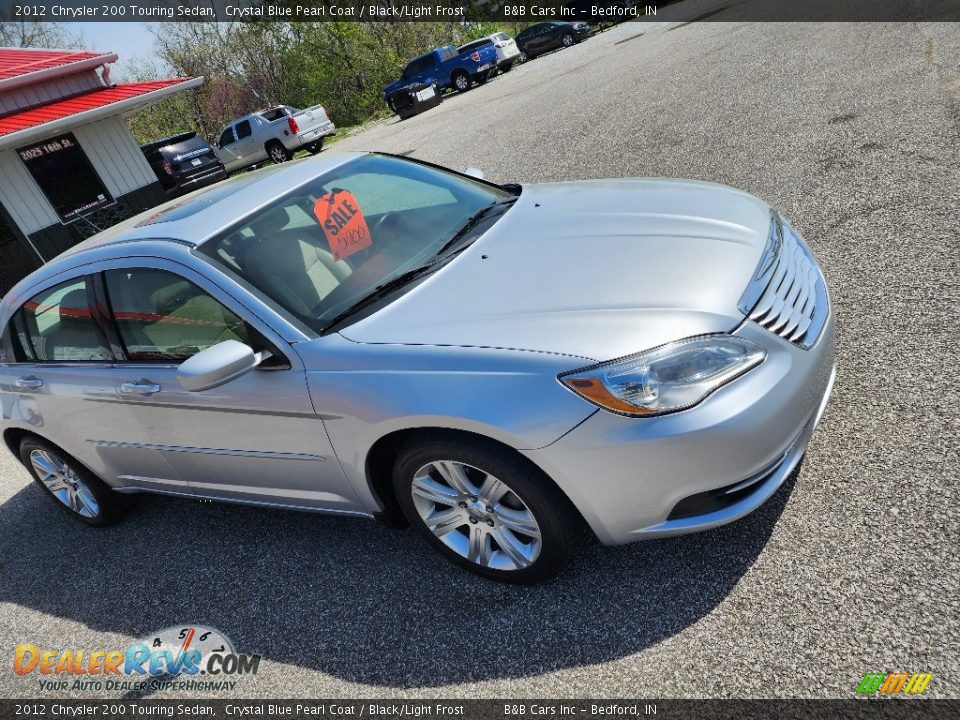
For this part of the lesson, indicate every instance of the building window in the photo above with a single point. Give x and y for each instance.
(63, 172)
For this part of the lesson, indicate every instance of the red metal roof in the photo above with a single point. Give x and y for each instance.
(20, 61)
(81, 103)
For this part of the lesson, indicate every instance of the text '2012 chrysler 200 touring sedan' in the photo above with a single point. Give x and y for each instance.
(375, 336)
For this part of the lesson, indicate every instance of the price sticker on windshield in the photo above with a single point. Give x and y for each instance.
(344, 226)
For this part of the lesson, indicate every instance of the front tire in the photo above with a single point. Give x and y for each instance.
(76, 490)
(486, 508)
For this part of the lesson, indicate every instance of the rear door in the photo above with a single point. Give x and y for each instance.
(255, 439)
(59, 382)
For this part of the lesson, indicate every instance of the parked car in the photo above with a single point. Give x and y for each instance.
(376, 336)
(183, 163)
(541, 37)
(446, 68)
(274, 134)
(413, 99)
(506, 49)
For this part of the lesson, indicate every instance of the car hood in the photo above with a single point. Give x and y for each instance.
(596, 269)
(400, 85)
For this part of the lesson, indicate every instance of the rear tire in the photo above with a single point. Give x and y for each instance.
(486, 508)
(315, 147)
(507, 66)
(76, 490)
(461, 81)
(567, 40)
(277, 152)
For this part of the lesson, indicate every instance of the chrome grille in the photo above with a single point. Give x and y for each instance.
(787, 294)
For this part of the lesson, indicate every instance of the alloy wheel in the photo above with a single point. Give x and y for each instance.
(462, 82)
(476, 515)
(277, 154)
(567, 40)
(64, 483)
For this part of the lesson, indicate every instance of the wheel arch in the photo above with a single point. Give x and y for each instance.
(12, 437)
(382, 455)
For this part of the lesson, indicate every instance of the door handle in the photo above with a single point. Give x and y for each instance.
(30, 383)
(138, 388)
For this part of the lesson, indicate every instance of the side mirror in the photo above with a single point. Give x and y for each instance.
(474, 172)
(217, 366)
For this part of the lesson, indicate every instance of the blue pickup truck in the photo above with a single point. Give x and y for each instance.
(446, 67)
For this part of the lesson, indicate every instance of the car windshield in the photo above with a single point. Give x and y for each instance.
(331, 243)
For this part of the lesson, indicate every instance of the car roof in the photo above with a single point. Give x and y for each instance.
(195, 218)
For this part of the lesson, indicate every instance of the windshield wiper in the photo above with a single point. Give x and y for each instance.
(380, 291)
(473, 221)
(406, 277)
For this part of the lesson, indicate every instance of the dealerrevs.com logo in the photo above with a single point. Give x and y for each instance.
(192, 658)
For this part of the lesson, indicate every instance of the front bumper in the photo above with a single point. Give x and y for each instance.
(627, 476)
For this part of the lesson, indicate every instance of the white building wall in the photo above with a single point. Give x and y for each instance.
(27, 205)
(115, 155)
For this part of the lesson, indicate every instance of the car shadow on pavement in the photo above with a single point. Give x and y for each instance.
(356, 600)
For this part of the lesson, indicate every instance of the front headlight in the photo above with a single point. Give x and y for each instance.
(666, 379)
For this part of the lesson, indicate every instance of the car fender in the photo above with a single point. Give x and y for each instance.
(364, 392)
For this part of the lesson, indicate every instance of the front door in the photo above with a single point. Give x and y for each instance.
(256, 438)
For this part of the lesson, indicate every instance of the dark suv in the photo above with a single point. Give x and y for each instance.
(183, 163)
(540, 38)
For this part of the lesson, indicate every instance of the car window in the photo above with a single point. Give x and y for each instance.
(244, 130)
(378, 193)
(163, 317)
(331, 241)
(273, 114)
(226, 137)
(57, 326)
(418, 65)
(502, 37)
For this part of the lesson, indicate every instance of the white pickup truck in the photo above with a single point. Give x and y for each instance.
(273, 134)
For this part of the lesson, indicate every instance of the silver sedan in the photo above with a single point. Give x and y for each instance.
(501, 367)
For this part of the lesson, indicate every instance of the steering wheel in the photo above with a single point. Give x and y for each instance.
(383, 226)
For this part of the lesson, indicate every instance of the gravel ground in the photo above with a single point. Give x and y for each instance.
(852, 131)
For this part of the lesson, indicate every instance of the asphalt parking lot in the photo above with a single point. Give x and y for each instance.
(853, 132)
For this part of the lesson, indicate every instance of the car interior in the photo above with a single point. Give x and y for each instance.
(161, 316)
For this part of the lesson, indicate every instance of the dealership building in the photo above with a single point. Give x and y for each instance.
(69, 165)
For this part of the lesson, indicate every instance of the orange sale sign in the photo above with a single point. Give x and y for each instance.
(338, 213)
